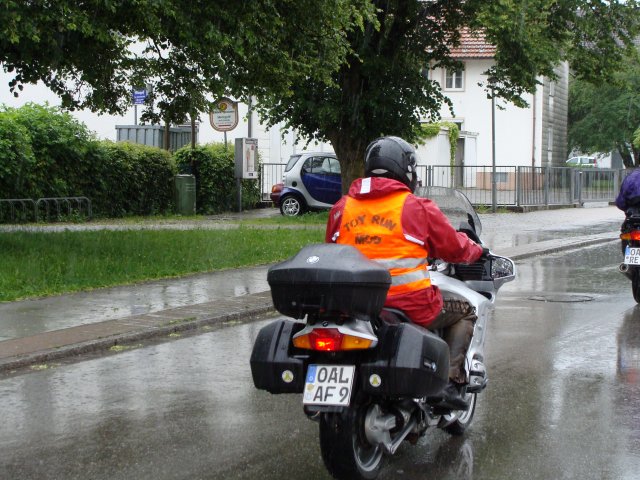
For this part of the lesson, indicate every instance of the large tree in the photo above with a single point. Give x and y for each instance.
(603, 117)
(382, 88)
(92, 52)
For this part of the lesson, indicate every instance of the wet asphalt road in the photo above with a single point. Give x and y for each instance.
(563, 352)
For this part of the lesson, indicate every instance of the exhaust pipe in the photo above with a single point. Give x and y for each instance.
(624, 269)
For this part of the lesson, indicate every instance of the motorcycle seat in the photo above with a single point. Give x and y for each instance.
(393, 316)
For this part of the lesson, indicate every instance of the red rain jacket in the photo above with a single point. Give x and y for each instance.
(422, 220)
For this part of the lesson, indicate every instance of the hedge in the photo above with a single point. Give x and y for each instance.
(47, 153)
(132, 179)
(216, 187)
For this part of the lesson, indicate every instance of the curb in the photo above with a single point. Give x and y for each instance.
(158, 324)
(193, 317)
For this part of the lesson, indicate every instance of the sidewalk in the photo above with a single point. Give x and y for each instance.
(44, 330)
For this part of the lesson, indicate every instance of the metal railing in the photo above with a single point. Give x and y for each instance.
(56, 208)
(19, 210)
(270, 174)
(515, 186)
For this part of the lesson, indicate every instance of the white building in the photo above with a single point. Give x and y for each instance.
(535, 136)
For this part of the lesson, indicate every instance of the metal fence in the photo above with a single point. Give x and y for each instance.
(515, 186)
(17, 210)
(270, 174)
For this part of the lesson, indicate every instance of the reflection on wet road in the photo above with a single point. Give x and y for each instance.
(563, 400)
(29, 317)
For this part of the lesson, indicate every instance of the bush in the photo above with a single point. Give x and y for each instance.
(47, 153)
(216, 187)
(63, 149)
(133, 179)
(17, 160)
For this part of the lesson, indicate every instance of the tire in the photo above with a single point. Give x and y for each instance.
(345, 450)
(291, 206)
(635, 283)
(464, 417)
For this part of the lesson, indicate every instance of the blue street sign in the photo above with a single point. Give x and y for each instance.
(139, 96)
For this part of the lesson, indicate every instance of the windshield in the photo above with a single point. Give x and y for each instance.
(454, 204)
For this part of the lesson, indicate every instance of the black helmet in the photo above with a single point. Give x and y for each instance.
(391, 157)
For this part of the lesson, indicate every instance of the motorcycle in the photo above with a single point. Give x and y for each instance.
(630, 241)
(367, 375)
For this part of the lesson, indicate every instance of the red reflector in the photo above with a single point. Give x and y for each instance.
(326, 339)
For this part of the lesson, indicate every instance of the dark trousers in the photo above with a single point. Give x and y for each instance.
(456, 321)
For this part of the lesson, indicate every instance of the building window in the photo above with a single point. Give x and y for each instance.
(454, 79)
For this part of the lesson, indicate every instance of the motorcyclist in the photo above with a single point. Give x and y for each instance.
(628, 200)
(383, 219)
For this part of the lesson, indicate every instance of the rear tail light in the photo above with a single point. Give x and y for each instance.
(330, 340)
(632, 235)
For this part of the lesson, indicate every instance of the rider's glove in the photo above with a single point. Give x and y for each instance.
(486, 254)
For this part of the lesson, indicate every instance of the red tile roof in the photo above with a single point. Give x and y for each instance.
(473, 45)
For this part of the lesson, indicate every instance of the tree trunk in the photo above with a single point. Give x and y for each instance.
(350, 154)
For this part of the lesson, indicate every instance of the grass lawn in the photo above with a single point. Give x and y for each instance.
(35, 264)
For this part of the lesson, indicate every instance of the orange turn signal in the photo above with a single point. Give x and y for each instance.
(633, 235)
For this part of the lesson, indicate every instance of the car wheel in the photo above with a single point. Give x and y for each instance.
(291, 206)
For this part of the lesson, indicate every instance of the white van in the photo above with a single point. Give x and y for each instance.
(582, 162)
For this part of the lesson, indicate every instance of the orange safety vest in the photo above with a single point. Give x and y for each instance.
(374, 227)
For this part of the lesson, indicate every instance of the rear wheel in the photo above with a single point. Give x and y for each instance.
(635, 283)
(291, 206)
(463, 417)
(345, 450)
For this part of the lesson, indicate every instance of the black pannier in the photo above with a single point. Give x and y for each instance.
(272, 368)
(410, 362)
(328, 278)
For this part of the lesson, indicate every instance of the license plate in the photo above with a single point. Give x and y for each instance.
(328, 385)
(632, 255)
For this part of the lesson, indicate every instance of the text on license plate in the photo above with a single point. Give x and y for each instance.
(632, 255)
(328, 385)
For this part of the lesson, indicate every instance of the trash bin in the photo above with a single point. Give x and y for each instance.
(185, 194)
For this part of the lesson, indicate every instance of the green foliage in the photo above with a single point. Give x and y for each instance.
(63, 148)
(47, 153)
(16, 158)
(75, 48)
(383, 89)
(216, 187)
(604, 116)
(194, 52)
(430, 130)
(133, 179)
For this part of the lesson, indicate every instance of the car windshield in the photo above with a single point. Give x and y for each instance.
(454, 204)
(292, 161)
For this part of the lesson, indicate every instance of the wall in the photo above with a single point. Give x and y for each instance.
(472, 108)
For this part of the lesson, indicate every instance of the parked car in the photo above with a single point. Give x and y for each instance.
(582, 162)
(276, 191)
(311, 181)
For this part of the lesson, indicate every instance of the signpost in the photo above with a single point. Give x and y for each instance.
(224, 117)
(139, 96)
